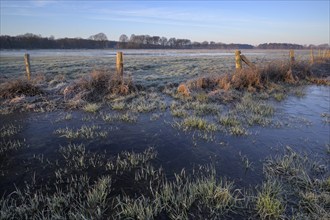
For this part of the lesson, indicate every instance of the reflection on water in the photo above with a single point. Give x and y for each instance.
(300, 126)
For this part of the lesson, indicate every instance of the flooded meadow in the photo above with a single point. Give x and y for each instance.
(76, 143)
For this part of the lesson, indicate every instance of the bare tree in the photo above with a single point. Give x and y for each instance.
(123, 38)
(205, 43)
(163, 41)
(155, 40)
(123, 41)
(171, 42)
(99, 37)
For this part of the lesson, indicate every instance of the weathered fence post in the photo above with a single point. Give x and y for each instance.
(27, 66)
(291, 56)
(238, 60)
(248, 62)
(325, 53)
(120, 64)
(312, 56)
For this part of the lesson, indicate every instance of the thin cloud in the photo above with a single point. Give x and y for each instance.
(181, 17)
(42, 3)
(158, 13)
(162, 22)
(168, 16)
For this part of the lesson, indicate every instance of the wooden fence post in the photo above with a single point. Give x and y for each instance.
(27, 66)
(120, 64)
(325, 53)
(312, 56)
(238, 60)
(291, 56)
(248, 62)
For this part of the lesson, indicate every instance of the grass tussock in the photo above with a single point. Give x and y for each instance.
(85, 132)
(269, 205)
(19, 87)
(98, 85)
(118, 105)
(91, 107)
(183, 89)
(125, 117)
(228, 120)
(250, 106)
(194, 122)
(238, 130)
(83, 200)
(9, 130)
(279, 96)
(304, 181)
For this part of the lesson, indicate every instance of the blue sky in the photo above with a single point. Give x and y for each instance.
(252, 22)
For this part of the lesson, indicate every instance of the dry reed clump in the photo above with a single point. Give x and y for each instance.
(224, 82)
(320, 73)
(202, 83)
(264, 77)
(183, 89)
(246, 78)
(97, 85)
(319, 81)
(322, 57)
(14, 88)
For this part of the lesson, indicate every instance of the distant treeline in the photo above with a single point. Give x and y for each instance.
(31, 41)
(156, 42)
(100, 41)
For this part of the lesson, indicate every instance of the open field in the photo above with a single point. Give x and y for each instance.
(183, 136)
(147, 67)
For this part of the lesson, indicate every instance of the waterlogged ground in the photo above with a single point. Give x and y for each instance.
(299, 122)
(240, 140)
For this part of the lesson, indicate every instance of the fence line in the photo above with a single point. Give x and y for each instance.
(238, 61)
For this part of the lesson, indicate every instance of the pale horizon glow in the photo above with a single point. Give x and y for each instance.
(250, 22)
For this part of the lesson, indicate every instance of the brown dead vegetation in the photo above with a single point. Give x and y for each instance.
(38, 79)
(98, 85)
(265, 77)
(224, 82)
(183, 89)
(19, 87)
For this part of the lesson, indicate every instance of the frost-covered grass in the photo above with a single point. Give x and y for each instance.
(147, 70)
(91, 107)
(11, 145)
(85, 132)
(293, 188)
(9, 130)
